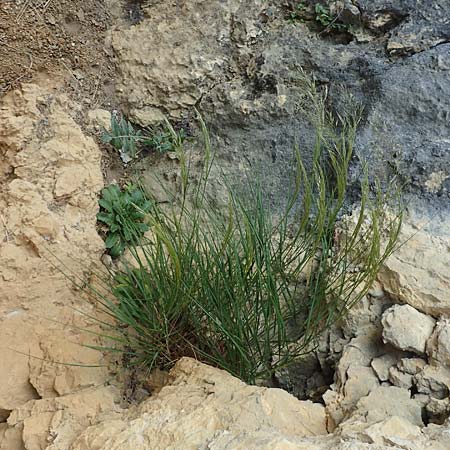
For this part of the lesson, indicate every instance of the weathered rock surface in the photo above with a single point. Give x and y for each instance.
(48, 200)
(406, 328)
(383, 364)
(434, 381)
(417, 25)
(239, 64)
(202, 407)
(54, 423)
(205, 407)
(419, 272)
(438, 347)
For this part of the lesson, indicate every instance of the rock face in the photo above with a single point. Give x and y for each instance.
(239, 64)
(50, 175)
(416, 25)
(439, 345)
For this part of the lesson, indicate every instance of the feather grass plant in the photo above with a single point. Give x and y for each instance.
(242, 289)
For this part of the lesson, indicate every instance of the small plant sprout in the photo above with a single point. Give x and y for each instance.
(318, 12)
(123, 137)
(129, 141)
(326, 20)
(297, 15)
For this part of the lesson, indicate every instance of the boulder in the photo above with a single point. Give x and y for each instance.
(411, 366)
(389, 401)
(53, 423)
(418, 273)
(406, 328)
(392, 431)
(400, 379)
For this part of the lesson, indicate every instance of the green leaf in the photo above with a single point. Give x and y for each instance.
(117, 250)
(143, 227)
(105, 204)
(106, 218)
(112, 240)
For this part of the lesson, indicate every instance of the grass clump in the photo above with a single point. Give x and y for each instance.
(241, 288)
(123, 212)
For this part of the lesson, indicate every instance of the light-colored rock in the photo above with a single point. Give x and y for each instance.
(10, 438)
(48, 202)
(438, 347)
(376, 291)
(179, 64)
(400, 379)
(53, 423)
(393, 431)
(411, 365)
(418, 273)
(354, 378)
(52, 380)
(438, 410)
(364, 317)
(147, 116)
(100, 118)
(202, 407)
(433, 380)
(406, 328)
(388, 402)
(422, 399)
(360, 382)
(382, 364)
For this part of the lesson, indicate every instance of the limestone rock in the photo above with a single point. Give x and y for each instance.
(418, 273)
(48, 199)
(438, 410)
(179, 63)
(392, 431)
(416, 25)
(364, 317)
(411, 366)
(438, 347)
(53, 423)
(100, 119)
(354, 378)
(400, 379)
(406, 328)
(10, 438)
(433, 380)
(389, 401)
(360, 382)
(205, 407)
(239, 64)
(382, 364)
